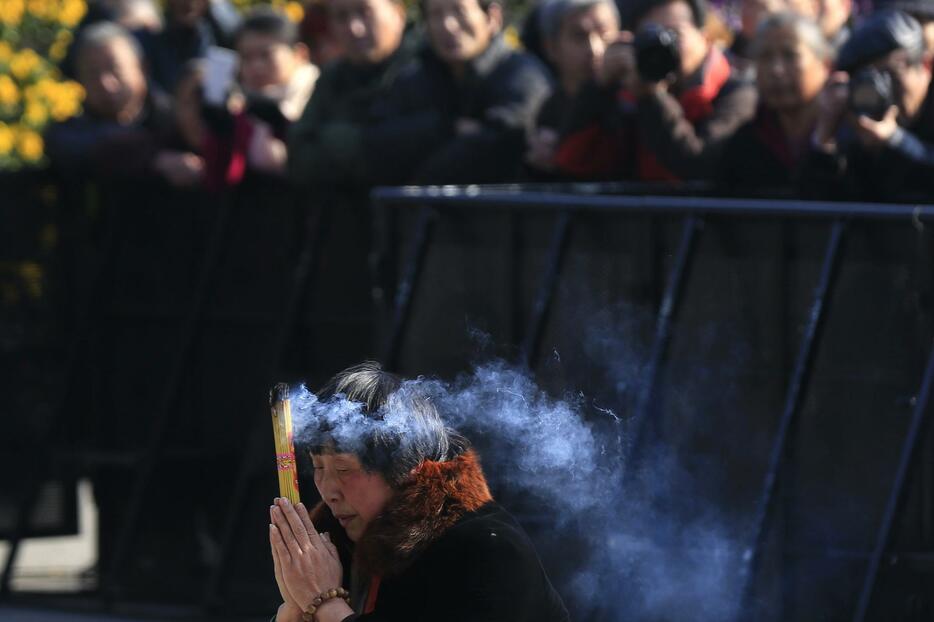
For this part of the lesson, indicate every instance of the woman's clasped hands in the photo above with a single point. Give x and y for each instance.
(306, 563)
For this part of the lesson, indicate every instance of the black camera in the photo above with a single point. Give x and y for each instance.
(657, 53)
(872, 93)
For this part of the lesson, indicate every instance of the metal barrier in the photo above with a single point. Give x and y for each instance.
(567, 204)
(434, 201)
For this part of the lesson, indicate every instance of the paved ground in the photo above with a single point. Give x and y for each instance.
(59, 564)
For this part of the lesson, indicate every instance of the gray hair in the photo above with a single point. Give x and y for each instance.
(391, 425)
(804, 28)
(553, 12)
(103, 33)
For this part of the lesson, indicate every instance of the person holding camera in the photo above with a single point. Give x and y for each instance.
(874, 138)
(792, 63)
(460, 113)
(665, 102)
(687, 102)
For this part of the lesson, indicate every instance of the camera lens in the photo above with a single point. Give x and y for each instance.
(657, 53)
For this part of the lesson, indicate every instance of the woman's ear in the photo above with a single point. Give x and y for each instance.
(495, 15)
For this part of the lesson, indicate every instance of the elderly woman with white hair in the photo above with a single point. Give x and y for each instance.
(793, 62)
(406, 528)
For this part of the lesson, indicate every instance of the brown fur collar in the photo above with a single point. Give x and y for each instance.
(429, 503)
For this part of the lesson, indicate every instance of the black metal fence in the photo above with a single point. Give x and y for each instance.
(801, 332)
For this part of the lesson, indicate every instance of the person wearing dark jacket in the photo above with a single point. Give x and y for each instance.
(871, 147)
(655, 128)
(124, 126)
(325, 145)
(792, 60)
(461, 113)
(406, 521)
(575, 35)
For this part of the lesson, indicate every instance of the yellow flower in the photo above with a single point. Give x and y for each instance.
(24, 63)
(9, 93)
(74, 89)
(72, 12)
(6, 52)
(58, 50)
(64, 105)
(40, 8)
(7, 138)
(29, 145)
(11, 12)
(35, 114)
(511, 36)
(45, 87)
(295, 11)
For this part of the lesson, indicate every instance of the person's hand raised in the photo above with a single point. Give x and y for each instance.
(308, 561)
(619, 63)
(876, 134)
(182, 169)
(290, 609)
(265, 152)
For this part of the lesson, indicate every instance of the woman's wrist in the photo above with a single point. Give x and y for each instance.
(334, 610)
(288, 612)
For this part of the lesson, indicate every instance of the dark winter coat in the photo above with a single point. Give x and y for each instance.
(901, 170)
(444, 550)
(759, 160)
(88, 145)
(326, 143)
(415, 139)
(660, 136)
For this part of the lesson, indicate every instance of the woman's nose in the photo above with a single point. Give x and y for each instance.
(329, 488)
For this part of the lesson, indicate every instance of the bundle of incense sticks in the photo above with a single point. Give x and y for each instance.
(281, 407)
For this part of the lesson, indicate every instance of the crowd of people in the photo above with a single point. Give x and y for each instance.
(804, 99)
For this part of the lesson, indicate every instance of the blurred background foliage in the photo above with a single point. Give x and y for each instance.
(34, 38)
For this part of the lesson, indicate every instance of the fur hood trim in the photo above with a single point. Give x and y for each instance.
(434, 498)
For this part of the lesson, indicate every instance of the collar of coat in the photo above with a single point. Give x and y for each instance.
(431, 501)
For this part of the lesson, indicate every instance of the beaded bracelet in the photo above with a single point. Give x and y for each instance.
(309, 614)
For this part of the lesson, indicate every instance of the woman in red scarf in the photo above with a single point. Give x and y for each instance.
(406, 528)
